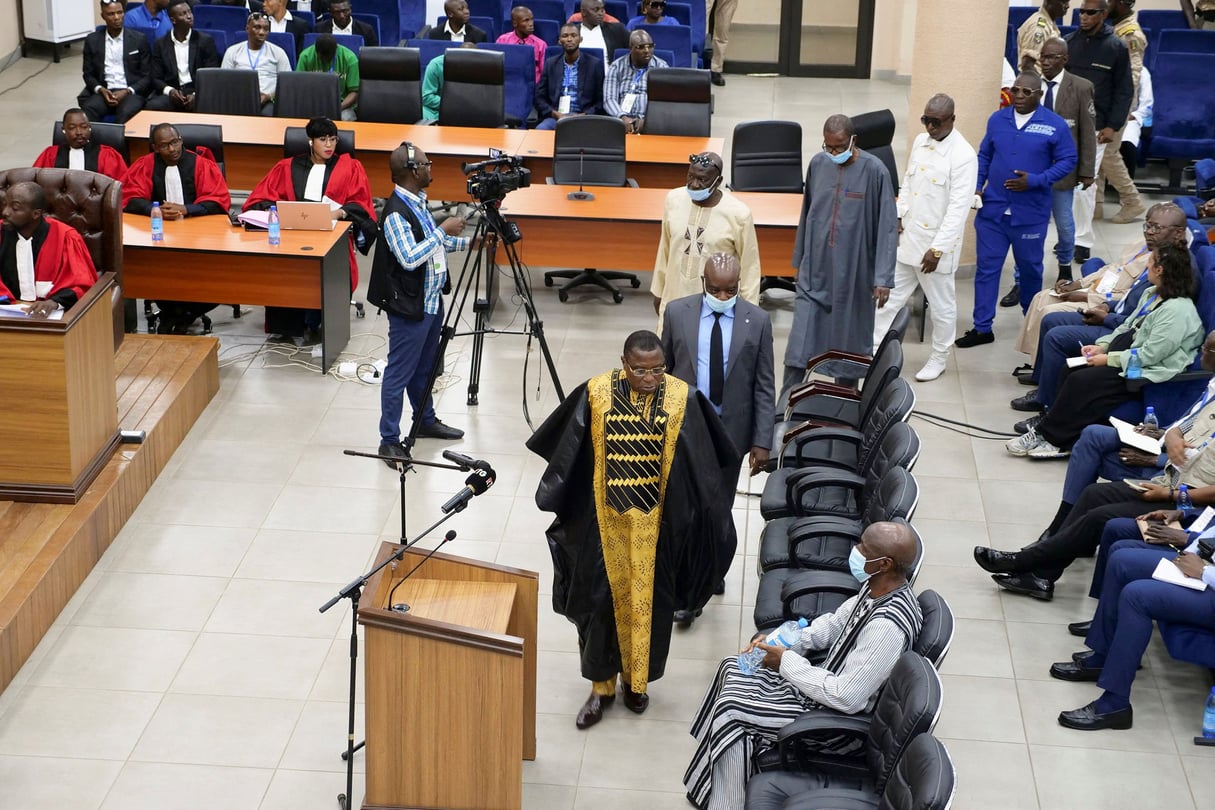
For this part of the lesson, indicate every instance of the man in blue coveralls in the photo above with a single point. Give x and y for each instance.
(1026, 150)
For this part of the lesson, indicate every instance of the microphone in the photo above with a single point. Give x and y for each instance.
(401, 607)
(475, 484)
(464, 462)
(580, 195)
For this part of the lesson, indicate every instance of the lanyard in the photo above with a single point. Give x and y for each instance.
(249, 57)
(423, 215)
(637, 77)
(1147, 305)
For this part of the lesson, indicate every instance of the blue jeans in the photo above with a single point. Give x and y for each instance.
(994, 237)
(547, 123)
(1094, 456)
(412, 346)
(1065, 225)
(1055, 347)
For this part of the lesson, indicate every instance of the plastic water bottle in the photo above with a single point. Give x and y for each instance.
(786, 636)
(1184, 503)
(1208, 716)
(1134, 369)
(1149, 418)
(158, 223)
(1109, 301)
(276, 230)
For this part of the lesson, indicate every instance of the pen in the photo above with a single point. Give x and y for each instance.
(1082, 351)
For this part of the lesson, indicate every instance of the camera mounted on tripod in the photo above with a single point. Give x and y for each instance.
(493, 186)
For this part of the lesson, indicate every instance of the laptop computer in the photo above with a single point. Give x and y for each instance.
(305, 216)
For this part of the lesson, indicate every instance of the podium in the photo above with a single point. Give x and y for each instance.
(450, 684)
(58, 398)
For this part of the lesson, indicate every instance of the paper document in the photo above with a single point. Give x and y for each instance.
(1200, 525)
(1129, 436)
(258, 219)
(18, 311)
(333, 206)
(1167, 571)
(1077, 362)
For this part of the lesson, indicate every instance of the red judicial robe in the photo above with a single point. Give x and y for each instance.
(97, 158)
(202, 185)
(60, 258)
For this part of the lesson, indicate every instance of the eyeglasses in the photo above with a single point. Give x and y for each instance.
(657, 371)
(933, 122)
(701, 160)
(170, 144)
(1155, 227)
(1088, 12)
(838, 150)
(1023, 91)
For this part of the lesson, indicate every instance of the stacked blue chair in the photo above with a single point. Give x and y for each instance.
(390, 19)
(548, 31)
(286, 41)
(547, 10)
(1175, 40)
(1159, 20)
(520, 78)
(352, 41)
(1183, 126)
(223, 18)
(676, 38)
(306, 16)
(619, 9)
(374, 21)
(428, 49)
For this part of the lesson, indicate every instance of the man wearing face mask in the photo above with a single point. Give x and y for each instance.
(698, 220)
(863, 639)
(722, 346)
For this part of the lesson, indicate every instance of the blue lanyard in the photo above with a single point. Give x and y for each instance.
(1147, 305)
(422, 214)
(637, 77)
(249, 57)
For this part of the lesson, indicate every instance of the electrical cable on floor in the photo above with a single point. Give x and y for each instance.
(995, 435)
(26, 79)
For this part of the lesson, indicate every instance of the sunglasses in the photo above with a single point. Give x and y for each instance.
(933, 122)
(1023, 91)
(1088, 12)
(701, 160)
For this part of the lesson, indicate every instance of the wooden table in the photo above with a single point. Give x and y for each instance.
(207, 259)
(252, 144)
(626, 223)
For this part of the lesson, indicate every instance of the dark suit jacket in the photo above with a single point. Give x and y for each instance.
(615, 36)
(748, 402)
(203, 54)
(590, 85)
(471, 34)
(137, 61)
(1074, 104)
(357, 26)
(297, 27)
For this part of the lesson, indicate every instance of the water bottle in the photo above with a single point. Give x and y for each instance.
(1134, 369)
(1150, 420)
(276, 230)
(158, 223)
(786, 636)
(1208, 717)
(1109, 301)
(1184, 503)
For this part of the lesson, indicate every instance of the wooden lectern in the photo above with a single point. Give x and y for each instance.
(450, 684)
(58, 398)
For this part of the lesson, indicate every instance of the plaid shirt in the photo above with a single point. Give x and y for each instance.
(621, 79)
(431, 250)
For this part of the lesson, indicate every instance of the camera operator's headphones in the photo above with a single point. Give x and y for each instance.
(410, 156)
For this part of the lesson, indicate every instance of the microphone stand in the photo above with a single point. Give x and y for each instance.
(580, 195)
(405, 466)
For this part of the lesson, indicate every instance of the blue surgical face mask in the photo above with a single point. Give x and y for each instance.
(842, 157)
(717, 305)
(702, 194)
(857, 563)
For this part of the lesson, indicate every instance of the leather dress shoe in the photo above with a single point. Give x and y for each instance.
(1075, 671)
(996, 562)
(1080, 628)
(1026, 585)
(973, 337)
(398, 450)
(1026, 425)
(1081, 255)
(592, 711)
(636, 702)
(1088, 718)
(438, 430)
(1028, 403)
(684, 618)
(1012, 298)
(717, 79)
(1022, 370)
(1027, 379)
(719, 587)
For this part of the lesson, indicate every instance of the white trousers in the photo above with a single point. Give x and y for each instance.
(1084, 201)
(942, 302)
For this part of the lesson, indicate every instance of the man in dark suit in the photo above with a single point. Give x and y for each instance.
(722, 345)
(117, 69)
(173, 87)
(342, 22)
(571, 82)
(457, 28)
(598, 33)
(282, 20)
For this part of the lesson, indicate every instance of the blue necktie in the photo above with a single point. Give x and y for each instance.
(1050, 96)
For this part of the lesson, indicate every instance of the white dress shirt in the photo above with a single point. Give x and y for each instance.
(115, 69)
(181, 50)
(26, 289)
(454, 36)
(593, 38)
(280, 25)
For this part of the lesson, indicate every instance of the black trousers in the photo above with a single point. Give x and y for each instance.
(1087, 395)
(96, 109)
(1080, 533)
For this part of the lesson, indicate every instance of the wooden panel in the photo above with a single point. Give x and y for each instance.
(483, 605)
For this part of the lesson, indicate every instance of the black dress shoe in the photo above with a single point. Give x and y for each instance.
(1013, 298)
(397, 450)
(1080, 257)
(1089, 719)
(592, 711)
(438, 430)
(1028, 379)
(1080, 628)
(996, 562)
(1026, 425)
(1028, 403)
(719, 587)
(717, 78)
(684, 618)
(974, 338)
(1065, 272)
(1023, 370)
(1075, 671)
(1026, 585)
(636, 702)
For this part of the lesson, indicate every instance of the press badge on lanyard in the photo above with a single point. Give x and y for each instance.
(630, 98)
(563, 104)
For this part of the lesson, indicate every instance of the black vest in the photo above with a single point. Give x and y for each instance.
(392, 287)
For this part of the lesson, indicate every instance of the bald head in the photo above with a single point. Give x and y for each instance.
(839, 125)
(893, 540)
(721, 275)
(940, 104)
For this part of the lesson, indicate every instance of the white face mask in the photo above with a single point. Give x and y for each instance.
(717, 305)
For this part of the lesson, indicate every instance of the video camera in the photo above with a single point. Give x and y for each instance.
(487, 186)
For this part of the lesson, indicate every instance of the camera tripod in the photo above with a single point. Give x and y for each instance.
(492, 230)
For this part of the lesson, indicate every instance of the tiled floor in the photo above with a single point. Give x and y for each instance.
(192, 669)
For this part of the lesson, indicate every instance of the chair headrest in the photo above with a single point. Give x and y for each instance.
(390, 64)
(474, 66)
(295, 141)
(679, 84)
(874, 129)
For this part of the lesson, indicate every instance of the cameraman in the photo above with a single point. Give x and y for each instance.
(408, 279)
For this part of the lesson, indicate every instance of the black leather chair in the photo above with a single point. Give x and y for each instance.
(390, 85)
(474, 88)
(295, 141)
(111, 135)
(227, 92)
(680, 102)
(767, 156)
(936, 633)
(589, 150)
(875, 134)
(303, 94)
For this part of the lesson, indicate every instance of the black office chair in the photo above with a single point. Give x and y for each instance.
(111, 135)
(875, 134)
(390, 85)
(767, 156)
(227, 92)
(589, 150)
(308, 95)
(474, 88)
(295, 141)
(680, 102)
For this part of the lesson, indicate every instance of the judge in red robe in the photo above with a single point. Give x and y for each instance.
(42, 260)
(81, 149)
(320, 172)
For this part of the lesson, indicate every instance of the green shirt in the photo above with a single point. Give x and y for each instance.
(432, 86)
(1167, 336)
(345, 64)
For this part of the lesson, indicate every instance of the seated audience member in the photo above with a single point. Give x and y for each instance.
(342, 22)
(320, 175)
(432, 85)
(176, 58)
(1164, 330)
(571, 82)
(80, 151)
(457, 28)
(600, 31)
(43, 261)
(150, 14)
(653, 12)
(327, 56)
(523, 25)
(281, 21)
(117, 69)
(255, 53)
(863, 640)
(627, 79)
(185, 184)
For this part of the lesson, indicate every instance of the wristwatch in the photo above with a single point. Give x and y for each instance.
(936, 254)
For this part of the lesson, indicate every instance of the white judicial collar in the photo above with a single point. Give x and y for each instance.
(314, 189)
(26, 289)
(173, 190)
(76, 159)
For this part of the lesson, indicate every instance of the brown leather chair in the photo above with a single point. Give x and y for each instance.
(92, 204)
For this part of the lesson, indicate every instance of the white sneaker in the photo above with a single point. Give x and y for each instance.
(1045, 450)
(1023, 444)
(932, 369)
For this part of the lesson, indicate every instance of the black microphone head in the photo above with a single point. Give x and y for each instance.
(460, 460)
(480, 480)
(451, 535)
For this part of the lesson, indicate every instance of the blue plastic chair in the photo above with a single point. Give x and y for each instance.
(286, 41)
(548, 30)
(221, 38)
(1183, 126)
(682, 12)
(619, 9)
(428, 49)
(374, 21)
(1177, 40)
(520, 78)
(547, 10)
(1017, 15)
(352, 41)
(661, 53)
(675, 38)
(306, 16)
(391, 19)
(223, 18)
(1159, 20)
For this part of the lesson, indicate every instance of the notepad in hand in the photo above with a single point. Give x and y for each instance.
(1077, 362)
(1167, 571)
(1133, 438)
